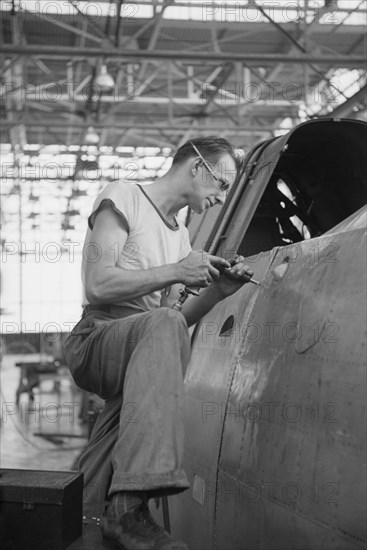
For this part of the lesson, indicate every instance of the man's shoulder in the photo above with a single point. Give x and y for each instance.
(120, 197)
(120, 189)
(123, 194)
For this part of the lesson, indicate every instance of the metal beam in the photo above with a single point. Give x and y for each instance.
(9, 63)
(230, 5)
(149, 23)
(296, 44)
(69, 52)
(14, 103)
(346, 108)
(152, 42)
(35, 95)
(90, 21)
(154, 36)
(65, 26)
(174, 128)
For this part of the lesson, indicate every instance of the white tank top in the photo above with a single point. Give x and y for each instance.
(152, 241)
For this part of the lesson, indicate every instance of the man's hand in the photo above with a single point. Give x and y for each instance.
(198, 268)
(227, 278)
(231, 279)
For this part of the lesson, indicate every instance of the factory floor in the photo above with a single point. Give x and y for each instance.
(45, 435)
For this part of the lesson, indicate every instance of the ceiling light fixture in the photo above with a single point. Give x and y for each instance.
(104, 80)
(91, 137)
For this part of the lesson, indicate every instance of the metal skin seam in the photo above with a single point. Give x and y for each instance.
(227, 400)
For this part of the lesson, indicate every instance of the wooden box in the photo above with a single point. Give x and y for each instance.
(40, 510)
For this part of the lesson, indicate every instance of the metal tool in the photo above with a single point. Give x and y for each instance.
(255, 282)
(184, 294)
(186, 291)
(232, 262)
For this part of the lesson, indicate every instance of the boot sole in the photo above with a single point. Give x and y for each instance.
(111, 543)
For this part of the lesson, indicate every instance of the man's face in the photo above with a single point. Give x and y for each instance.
(207, 184)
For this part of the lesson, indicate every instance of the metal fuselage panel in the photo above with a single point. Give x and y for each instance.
(208, 382)
(291, 471)
(275, 413)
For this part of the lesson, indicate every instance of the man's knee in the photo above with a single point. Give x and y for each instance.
(168, 319)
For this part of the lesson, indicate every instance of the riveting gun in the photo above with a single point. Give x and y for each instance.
(186, 291)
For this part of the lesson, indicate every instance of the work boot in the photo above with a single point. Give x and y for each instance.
(137, 530)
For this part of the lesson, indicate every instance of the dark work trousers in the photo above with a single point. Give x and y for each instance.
(136, 363)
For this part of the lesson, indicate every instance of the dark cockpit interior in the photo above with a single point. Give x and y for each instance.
(319, 180)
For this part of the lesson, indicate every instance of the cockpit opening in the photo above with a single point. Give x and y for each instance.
(318, 182)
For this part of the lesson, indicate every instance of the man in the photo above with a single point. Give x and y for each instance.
(131, 348)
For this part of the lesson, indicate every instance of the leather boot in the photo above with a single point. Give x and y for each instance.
(137, 530)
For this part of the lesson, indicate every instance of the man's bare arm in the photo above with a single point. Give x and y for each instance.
(108, 282)
(230, 280)
(196, 307)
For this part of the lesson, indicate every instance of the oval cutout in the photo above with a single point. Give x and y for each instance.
(227, 325)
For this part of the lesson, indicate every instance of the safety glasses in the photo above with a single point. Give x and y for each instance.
(224, 185)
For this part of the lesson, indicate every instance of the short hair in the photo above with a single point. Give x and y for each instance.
(212, 148)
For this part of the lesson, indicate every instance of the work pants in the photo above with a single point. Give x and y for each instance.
(136, 363)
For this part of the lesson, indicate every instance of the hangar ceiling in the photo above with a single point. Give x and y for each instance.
(174, 69)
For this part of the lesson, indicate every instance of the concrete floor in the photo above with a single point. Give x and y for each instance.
(52, 413)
